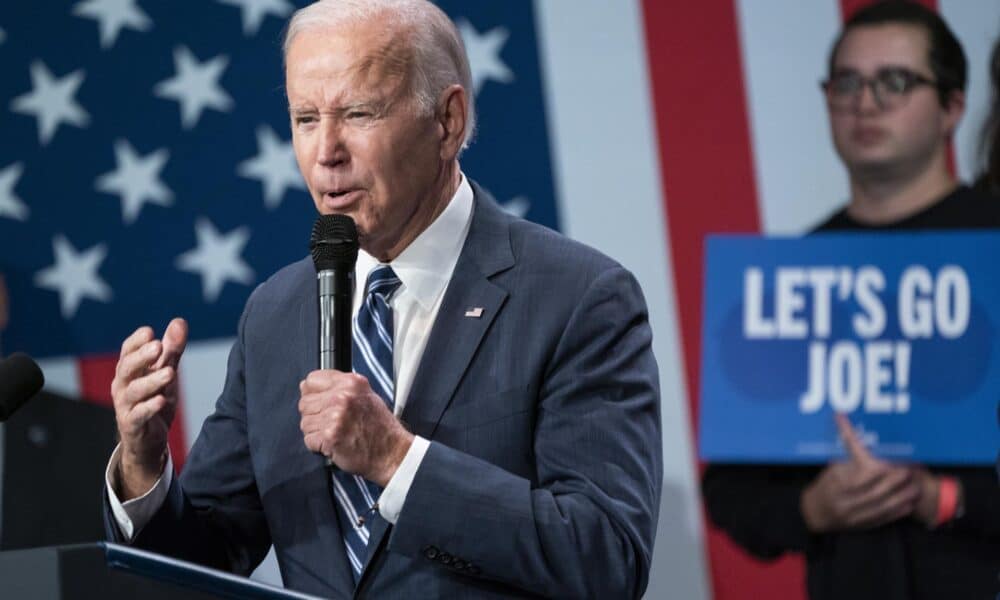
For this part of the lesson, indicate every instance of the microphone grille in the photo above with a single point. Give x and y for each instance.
(334, 243)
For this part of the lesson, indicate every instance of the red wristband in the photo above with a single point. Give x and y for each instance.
(947, 500)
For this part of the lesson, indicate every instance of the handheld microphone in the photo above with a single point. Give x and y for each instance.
(20, 380)
(334, 249)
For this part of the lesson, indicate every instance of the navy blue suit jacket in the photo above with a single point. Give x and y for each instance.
(544, 469)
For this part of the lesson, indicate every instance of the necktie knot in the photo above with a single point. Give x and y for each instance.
(382, 282)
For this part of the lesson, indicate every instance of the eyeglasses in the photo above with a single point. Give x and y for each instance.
(891, 86)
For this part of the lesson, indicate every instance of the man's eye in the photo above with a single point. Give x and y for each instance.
(304, 119)
(359, 114)
(845, 84)
(896, 82)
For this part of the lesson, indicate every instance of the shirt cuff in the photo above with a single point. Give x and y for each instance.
(134, 514)
(390, 503)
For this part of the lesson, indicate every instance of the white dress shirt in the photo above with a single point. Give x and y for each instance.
(425, 267)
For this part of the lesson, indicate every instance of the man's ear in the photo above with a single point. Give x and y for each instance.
(452, 117)
(954, 108)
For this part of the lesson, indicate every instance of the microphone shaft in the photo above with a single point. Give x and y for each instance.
(336, 295)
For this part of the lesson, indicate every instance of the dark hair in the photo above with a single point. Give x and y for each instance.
(989, 143)
(946, 57)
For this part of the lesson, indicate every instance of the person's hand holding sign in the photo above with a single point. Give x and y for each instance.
(861, 493)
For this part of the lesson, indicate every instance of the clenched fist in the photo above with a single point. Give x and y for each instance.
(344, 420)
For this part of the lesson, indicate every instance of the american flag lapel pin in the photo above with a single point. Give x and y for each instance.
(475, 313)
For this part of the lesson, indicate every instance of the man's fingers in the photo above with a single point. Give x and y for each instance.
(319, 380)
(314, 441)
(142, 388)
(143, 411)
(138, 362)
(310, 404)
(133, 342)
(327, 379)
(174, 341)
(893, 479)
(855, 447)
(887, 508)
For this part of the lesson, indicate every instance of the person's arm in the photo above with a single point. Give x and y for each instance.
(978, 514)
(131, 516)
(212, 513)
(759, 506)
(586, 527)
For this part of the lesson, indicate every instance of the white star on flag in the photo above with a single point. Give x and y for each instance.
(217, 258)
(74, 275)
(484, 54)
(517, 206)
(274, 166)
(3, 36)
(195, 86)
(254, 11)
(112, 16)
(10, 205)
(136, 180)
(51, 101)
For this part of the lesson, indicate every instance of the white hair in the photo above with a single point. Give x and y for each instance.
(439, 57)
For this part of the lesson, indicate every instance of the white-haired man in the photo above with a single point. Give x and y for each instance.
(506, 439)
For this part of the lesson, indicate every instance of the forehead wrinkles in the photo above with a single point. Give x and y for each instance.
(387, 70)
(392, 61)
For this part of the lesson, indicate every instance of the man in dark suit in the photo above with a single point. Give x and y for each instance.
(500, 436)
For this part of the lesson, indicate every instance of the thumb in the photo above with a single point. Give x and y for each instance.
(174, 342)
(855, 447)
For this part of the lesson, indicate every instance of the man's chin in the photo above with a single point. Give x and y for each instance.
(876, 169)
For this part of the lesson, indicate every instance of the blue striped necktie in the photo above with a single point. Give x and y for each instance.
(371, 357)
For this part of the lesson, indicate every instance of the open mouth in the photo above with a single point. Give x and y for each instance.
(340, 199)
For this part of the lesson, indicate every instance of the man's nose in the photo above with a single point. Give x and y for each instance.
(332, 149)
(866, 101)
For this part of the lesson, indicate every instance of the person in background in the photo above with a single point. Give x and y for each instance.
(871, 529)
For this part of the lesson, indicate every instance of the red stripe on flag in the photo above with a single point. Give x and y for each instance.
(707, 173)
(96, 374)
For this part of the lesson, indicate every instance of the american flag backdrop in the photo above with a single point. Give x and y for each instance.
(146, 171)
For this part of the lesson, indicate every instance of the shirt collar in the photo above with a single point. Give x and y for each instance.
(425, 266)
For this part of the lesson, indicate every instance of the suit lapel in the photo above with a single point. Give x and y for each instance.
(453, 342)
(470, 305)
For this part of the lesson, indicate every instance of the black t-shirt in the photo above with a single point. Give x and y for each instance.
(964, 208)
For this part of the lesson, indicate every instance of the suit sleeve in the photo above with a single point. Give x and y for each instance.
(585, 528)
(212, 513)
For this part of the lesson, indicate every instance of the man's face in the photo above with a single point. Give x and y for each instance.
(898, 140)
(361, 142)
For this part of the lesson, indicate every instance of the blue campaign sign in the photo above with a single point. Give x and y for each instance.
(898, 331)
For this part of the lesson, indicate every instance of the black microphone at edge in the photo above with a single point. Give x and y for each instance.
(20, 380)
(334, 249)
